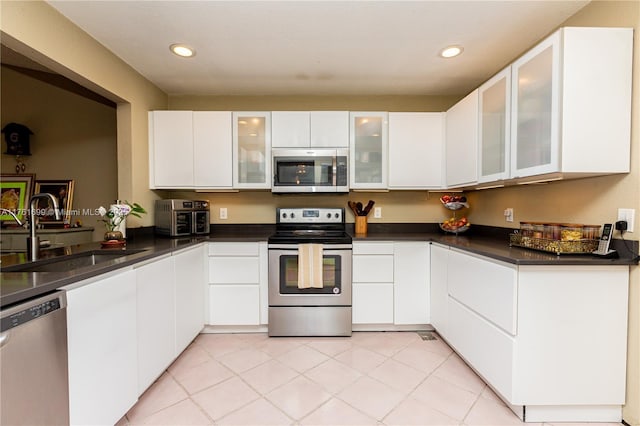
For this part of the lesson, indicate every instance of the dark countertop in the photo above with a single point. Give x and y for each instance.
(19, 286)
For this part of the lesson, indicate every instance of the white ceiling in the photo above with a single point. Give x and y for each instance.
(318, 47)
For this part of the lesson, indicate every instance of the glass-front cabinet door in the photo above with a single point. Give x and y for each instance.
(252, 150)
(535, 114)
(495, 122)
(369, 141)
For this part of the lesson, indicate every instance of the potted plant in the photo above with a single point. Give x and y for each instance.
(117, 213)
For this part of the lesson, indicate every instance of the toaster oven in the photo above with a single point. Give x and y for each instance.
(175, 218)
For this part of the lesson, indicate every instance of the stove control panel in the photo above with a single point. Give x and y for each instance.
(312, 215)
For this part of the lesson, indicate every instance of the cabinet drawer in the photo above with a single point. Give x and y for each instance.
(373, 303)
(234, 270)
(373, 248)
(486, 287)
(488, 349)
(234, 249)
(234, 305)
(373, 269)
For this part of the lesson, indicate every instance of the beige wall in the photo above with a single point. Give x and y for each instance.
(38, 31)
(74, 138)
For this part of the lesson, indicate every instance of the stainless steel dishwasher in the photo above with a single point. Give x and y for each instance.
(34, 384)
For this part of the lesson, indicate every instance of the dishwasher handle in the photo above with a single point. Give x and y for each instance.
(4, 338)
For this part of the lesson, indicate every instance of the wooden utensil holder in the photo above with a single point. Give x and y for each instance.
(361, 225)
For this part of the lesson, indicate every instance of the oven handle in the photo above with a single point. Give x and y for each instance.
(325, 247)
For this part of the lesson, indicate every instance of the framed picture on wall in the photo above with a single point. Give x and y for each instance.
(62, 190)
(15, 191)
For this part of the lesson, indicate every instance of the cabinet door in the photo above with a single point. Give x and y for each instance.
(103, 368)
(372, 303)
(252, 150)
(156, 320)
(495, 122)
(290, 129)
(234, 304)
(212, 149)
(411, 283)
(416, 145)
(330, 129)
(190, 284)
(462, 142)
(535, 110)
(438, 284)
(368, 143)
(171, 149)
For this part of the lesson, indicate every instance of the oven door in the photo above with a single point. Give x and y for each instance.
(283, 277)
(201, 222)
(182, 223)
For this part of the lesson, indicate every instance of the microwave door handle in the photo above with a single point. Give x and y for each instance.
(335, 170)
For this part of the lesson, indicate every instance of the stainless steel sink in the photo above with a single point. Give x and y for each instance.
(72, 261)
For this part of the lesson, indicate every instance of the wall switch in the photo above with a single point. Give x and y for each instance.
(629, 215)
(223, 213)
(508, 214)
(377, 212)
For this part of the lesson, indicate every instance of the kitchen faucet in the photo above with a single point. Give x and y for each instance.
(33, 242)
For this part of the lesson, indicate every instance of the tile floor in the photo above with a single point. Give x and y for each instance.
(391, 378)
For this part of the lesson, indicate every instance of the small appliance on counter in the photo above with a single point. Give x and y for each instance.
(176, 218)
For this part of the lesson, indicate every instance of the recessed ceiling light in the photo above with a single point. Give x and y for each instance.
(182, 50)
(451, 51)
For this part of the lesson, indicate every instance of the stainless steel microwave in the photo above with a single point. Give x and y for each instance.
(310, 170)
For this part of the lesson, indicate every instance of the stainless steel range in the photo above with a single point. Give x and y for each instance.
(323, 308)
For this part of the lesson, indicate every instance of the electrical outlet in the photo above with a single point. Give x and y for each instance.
(508, 214)
(377, 212)
(223, 213)
(629, 215)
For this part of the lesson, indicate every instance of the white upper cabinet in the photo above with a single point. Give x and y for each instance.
(252, 150)
(171, 149)
(190, 150)
(368, 137)
(212, 149)
(315, 129)
(571, 104)
(290, 129)
(416, 150)
(495, 126)
(462, 142)
(330, 129)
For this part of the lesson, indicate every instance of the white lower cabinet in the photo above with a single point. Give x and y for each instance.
(190, 285)
(237, 284)
(411, 283)
(439, 256)
(103, 380)
(156, 322)
(530, 331)
(372, 269)
(390, 283)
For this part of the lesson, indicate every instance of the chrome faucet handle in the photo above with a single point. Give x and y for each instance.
(12, 214)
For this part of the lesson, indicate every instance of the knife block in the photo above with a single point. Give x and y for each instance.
(361, 225)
